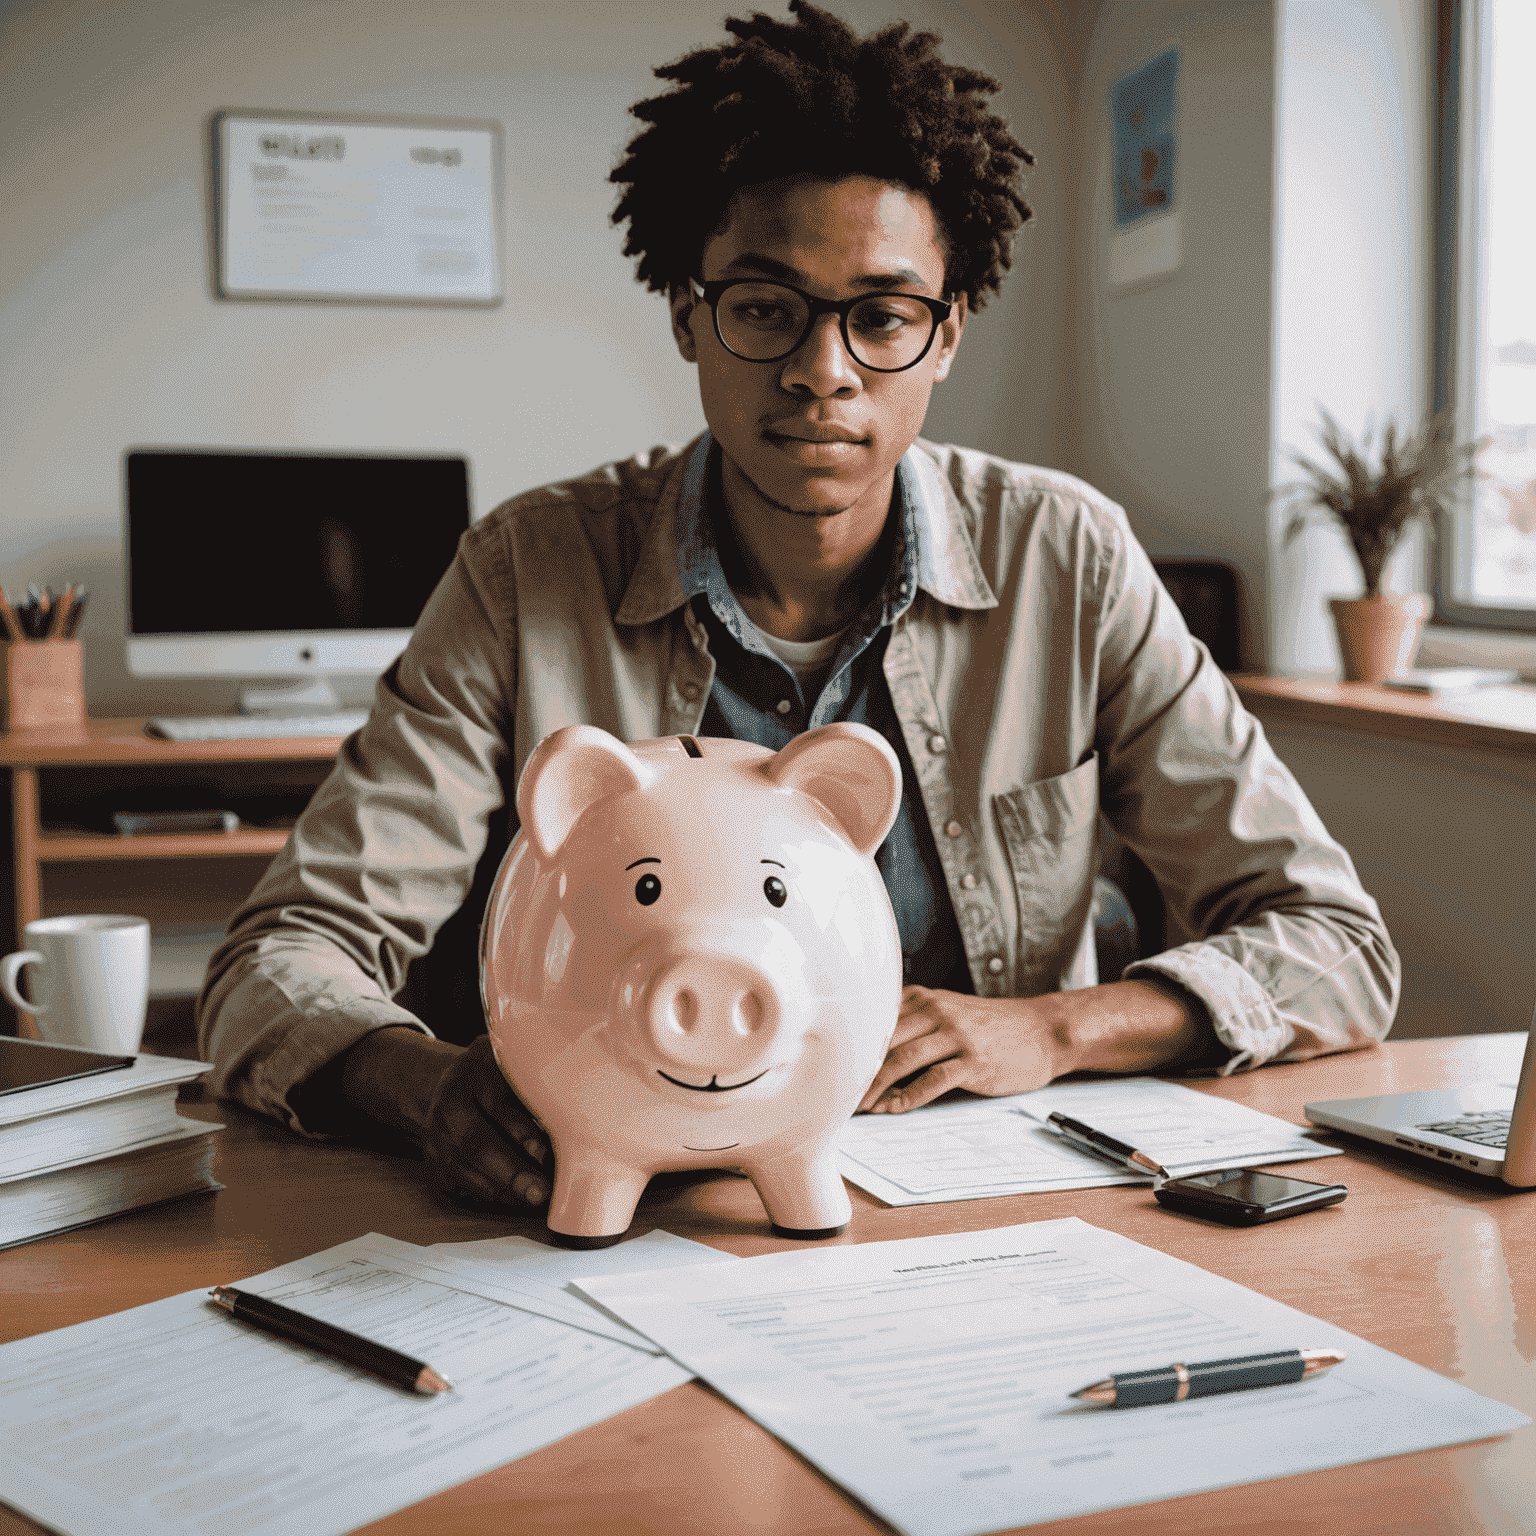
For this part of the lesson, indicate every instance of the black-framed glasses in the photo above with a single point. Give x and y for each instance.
(765, 322)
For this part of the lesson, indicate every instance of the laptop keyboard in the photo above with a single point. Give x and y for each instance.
(1486, 1130)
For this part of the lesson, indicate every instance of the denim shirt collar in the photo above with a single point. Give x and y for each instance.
(679, 560)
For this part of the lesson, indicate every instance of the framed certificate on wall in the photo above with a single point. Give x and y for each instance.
(357, 210)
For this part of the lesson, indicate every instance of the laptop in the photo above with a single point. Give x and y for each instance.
(1487, 1129)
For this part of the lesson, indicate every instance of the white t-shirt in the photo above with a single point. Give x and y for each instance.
(809, 660)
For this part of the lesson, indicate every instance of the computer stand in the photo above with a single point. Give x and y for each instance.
(314, 695)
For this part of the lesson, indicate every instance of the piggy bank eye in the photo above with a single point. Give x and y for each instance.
(775, 890)
(647, 889)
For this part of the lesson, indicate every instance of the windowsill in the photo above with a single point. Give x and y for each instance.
(1499, 720)
(1446, 645)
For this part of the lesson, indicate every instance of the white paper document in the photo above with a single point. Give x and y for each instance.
(538, 1278)
(974, 1148)
(175, 1418)
(930, 1377)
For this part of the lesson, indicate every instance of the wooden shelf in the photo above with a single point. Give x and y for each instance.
(1471, 719)
(56, 846)
(122, 743)
(100, 746)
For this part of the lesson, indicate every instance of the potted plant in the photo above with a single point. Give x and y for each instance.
(1415, 475)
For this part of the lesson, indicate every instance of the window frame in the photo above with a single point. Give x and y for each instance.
(1461, 112)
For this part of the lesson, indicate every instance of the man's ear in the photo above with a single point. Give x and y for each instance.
(684, 312)
(949, 338)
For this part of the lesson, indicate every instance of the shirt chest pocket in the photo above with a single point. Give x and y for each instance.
(1048, 830)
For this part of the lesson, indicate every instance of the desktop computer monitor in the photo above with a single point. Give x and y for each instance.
(277, 564)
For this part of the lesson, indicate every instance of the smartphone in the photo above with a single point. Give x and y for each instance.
(1243, 1197)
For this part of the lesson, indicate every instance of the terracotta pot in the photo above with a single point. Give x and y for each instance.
(1378, 635)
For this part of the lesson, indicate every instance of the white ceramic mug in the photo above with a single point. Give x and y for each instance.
(90, 978)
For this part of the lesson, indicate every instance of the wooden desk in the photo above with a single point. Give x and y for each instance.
(1438, 1266)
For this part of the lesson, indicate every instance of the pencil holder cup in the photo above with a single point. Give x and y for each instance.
(42, 683)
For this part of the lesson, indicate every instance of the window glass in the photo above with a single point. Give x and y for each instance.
(1497, 564)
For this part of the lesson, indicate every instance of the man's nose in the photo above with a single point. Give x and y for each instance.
(821, 364)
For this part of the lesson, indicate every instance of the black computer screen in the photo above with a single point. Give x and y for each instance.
(230, 543)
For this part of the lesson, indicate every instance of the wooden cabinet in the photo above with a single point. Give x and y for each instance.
(64, 783)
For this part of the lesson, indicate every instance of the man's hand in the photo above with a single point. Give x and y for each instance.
(480, 1143)
(1002, 1045)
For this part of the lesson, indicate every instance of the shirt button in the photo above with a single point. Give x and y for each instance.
(690, 690)
(953, 829)
(783, 706)
(936, 744)
(968, 881)
(995, 965)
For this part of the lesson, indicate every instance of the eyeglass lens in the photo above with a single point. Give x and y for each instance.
(763, 322)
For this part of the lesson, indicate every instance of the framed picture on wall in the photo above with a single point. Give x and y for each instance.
(372, 210)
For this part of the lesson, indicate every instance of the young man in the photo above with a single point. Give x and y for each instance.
(824, 213)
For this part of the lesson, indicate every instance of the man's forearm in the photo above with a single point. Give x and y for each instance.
(391, 1075)
(1128, 1026)
(1004, 1045)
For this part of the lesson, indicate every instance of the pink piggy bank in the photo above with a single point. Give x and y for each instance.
(689, 960)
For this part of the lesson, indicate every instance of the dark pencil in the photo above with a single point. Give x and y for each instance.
(60, 615)
(9, 620)
(348, 1348)
(76, 613)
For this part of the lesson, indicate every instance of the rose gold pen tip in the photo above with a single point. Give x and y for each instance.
(1099, 1392)
(1316, 1361)
(429, 1381)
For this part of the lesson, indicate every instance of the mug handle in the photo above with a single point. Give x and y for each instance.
(10, 969)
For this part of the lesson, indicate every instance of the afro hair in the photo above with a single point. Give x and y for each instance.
(810, 97)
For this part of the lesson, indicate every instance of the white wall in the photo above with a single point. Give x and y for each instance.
(1171, 411)
(1352, 322)
(1302, 194)
(110, 337)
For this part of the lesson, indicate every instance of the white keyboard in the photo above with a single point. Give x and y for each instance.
(253, 727)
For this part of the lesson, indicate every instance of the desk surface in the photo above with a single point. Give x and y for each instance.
(1436, 1265)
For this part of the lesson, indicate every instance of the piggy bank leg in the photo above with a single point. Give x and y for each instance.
(594, 1198)
(803, 1193)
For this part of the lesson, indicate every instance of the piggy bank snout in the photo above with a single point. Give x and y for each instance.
(707, 1014)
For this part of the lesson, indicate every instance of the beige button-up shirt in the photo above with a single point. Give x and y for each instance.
(1041, 675)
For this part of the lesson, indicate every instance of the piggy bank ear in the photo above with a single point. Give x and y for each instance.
(568, 771)
(852, 772)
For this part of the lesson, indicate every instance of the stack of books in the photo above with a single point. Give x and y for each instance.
(83, 1137)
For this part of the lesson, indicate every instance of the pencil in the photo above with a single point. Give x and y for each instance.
(60, 614)
(9, 619)
(348, 1348)
(77, 612)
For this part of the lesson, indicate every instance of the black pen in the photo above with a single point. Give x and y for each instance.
(1100, 1145)
(1175, 1383)
(362, 1354)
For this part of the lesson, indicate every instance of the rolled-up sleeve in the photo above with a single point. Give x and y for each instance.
(382, 856)
(1272, 929)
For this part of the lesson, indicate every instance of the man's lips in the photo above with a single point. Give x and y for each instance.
(825, 453)
(814, 435)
